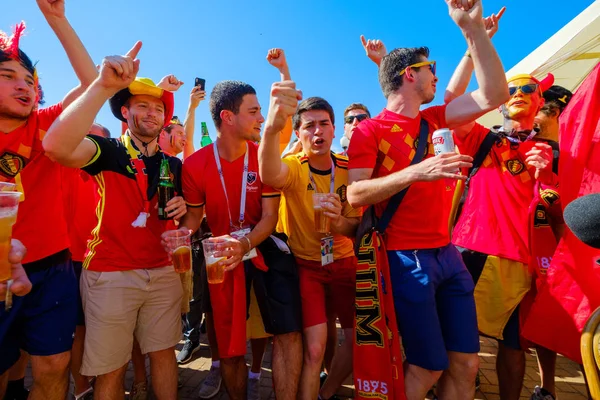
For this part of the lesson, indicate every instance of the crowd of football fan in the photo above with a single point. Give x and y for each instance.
(446, 259)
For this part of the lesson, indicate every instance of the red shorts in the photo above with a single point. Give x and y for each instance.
(337, 278)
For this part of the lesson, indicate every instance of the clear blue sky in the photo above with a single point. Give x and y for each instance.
(219, 40)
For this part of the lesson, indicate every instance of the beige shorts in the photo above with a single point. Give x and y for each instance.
(118, 305)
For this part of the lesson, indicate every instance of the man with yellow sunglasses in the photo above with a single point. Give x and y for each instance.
(433, 291)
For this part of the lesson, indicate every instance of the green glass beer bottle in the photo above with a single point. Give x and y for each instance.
(205, 141)
(166, 189)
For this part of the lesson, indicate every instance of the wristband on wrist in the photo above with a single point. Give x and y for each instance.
(249, 242)
(468, 54)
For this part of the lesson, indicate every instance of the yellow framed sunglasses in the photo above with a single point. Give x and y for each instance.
(431, 65)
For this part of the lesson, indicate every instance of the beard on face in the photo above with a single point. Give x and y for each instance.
(143, 131)
(7, 113)
(425, 94)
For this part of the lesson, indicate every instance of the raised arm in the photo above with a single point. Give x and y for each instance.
(462, 75)
(84, 67)
(65, 141)
(374, 48)
(276, 57)
(284, 100)
(189, 125)
(493, 89)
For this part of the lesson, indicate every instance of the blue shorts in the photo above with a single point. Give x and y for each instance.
(435, 308)
(43, 322)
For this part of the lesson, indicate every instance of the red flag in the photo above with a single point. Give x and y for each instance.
(377, 370)
(570, 294)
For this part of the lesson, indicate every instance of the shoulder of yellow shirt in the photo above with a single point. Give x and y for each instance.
(341, 161)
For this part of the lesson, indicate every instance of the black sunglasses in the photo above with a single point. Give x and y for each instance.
(360, 117)
(526, 89)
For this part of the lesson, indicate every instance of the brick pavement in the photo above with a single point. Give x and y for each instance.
(570, 382)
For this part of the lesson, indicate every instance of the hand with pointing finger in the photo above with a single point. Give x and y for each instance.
(491, 22)
(374, 48)
(118, 72)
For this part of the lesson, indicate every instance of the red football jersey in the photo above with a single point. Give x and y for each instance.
(202, 187)
(115, 245)
(40, 221)
(387, 143)
(494, 219)
(80, 201)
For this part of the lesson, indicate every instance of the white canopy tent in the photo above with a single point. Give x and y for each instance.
(570, 54)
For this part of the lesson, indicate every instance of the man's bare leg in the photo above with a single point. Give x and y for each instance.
(315, 338)
(163, 369)
(547, 364)
(235, 377)
(16, 376)
(211, 335)
(418, 381)
(139, 364)
(81, 382)
(50, 376)
(510, 366)
(341, 367)
(258, 347)
(458, 381)
(110, 386)
(3, 383)
(287, 365)
(332, 341)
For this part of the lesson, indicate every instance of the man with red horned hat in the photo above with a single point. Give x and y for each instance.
(510, 165)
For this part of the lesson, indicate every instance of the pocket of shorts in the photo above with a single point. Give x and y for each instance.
(94, 278)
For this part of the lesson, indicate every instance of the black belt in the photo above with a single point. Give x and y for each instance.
(47, 262)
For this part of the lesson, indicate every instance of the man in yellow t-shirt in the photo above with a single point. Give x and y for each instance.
(326, 262)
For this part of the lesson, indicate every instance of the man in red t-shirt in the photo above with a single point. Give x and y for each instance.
(493, 230)
(43, 322)
(222, 181)
(433, 291)
(128, 284)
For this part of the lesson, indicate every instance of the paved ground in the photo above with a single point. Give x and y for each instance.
(570, 382)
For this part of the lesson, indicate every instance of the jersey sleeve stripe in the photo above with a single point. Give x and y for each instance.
(96, 155)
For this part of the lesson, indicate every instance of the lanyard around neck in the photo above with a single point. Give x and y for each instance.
(332, 182)
(244, 184)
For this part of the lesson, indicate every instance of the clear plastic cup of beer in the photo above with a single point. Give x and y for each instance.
(182, 252)
(322, 222)
(215, 272)
(9, 205)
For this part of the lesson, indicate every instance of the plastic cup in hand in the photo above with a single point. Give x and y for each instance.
(182, 253)
(322, 222)
(9, 205)
(215, 272)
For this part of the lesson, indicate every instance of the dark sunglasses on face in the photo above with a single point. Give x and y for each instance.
(525, 89)
(350, 118)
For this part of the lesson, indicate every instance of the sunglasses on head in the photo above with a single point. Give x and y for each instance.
(525, 89)
(431, 65)
(350, 118)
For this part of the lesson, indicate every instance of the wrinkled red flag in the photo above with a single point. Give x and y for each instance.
(570, 294)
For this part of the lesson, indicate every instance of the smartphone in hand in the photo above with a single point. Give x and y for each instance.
(200, 82)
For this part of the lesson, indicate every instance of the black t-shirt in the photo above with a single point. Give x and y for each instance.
(112, 156)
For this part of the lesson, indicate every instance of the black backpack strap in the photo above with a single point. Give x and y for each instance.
(484, 149)
(396, 199)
